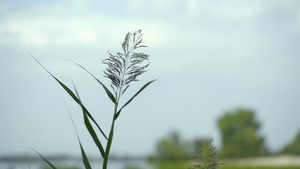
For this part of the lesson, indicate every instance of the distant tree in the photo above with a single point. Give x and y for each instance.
(171, 152)
(239, 134)
(293, 147)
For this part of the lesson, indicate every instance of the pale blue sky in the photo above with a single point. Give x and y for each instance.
(208, 56)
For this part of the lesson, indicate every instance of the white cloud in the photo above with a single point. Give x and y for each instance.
(134, 6)
(223, 10)
(164, 6)
(19, 32)
(192, 8)
(238, 10)
(41, 31)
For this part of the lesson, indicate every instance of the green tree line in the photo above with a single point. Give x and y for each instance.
(239, 132)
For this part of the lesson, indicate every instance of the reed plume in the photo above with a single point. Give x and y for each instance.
(124, 68)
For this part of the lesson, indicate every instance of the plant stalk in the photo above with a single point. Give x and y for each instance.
(110, 138)
(111, 133)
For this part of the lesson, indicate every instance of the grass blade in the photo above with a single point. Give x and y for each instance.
(118, 113)
(51, 165)
(93, 133)
(71, 94)
(87, 113)
(109, 94)
(85, 160)
(64, 86)
(89, 126)
(92, 118)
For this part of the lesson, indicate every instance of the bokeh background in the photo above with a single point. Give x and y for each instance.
(209, 57)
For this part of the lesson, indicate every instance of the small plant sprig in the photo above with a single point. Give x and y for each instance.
(123, 69)
(207, 157)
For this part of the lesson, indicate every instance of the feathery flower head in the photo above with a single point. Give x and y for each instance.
(124, 68)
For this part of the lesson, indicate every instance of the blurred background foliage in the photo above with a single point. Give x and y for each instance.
(240, 137)
(171, 152)
(294, 147)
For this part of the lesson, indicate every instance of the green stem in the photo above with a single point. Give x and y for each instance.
(110, 137)
(111, 133)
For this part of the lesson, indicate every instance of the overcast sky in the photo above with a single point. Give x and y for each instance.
(209, 57)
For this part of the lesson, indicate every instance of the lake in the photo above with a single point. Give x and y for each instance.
(114, 164)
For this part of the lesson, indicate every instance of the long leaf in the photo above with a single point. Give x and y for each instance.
(64, 86)
(70, 93)
(93, 133)
(51, 165)
(84, 110)
(92, 118)
(118, 113)
(85, 160)
(90, 127)
(109, 94)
